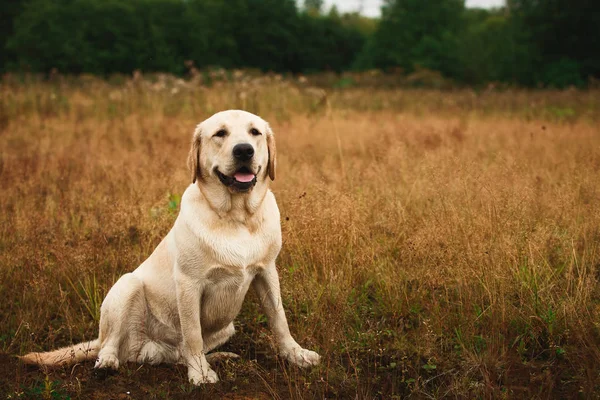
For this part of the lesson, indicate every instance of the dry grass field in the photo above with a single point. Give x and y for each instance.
(435, 244)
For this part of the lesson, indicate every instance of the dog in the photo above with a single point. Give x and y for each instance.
(180, 303)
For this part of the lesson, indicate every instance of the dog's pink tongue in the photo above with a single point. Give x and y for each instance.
(243, 177)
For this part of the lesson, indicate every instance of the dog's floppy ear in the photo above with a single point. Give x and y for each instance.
(272, 153)
(194, 156)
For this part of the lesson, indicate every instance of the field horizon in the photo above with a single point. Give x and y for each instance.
(435, 243)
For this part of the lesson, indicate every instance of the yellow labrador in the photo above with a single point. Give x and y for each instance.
(180, 303)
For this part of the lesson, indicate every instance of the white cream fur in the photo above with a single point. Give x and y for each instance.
(180, 303)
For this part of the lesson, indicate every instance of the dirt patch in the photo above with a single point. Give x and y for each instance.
(131, 382)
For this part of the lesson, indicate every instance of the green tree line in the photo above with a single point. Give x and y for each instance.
(528, 42)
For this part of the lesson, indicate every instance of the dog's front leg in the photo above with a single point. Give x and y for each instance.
(266, 285)
(189, 295)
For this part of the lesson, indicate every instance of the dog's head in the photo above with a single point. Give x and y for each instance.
(234, 147)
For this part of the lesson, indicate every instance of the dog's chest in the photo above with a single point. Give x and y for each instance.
(232, 279)
(236, 249)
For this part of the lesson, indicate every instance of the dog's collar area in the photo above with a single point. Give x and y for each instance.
(242, 180)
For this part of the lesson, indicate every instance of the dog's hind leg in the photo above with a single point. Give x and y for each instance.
(121, 321)
(218, 338)
(215, 340)
(155, 352)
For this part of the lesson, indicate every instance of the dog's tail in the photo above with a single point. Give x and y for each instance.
(64, 356)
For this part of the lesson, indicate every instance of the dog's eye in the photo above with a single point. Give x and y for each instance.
(220, 133)
(255, 132)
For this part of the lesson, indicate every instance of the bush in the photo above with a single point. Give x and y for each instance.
(563, 73)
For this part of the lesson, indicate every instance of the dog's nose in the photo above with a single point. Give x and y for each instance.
(243, 151)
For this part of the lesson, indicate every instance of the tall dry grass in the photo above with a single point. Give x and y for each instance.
(435, 243)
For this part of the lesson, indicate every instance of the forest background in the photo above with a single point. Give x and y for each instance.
(552, 43)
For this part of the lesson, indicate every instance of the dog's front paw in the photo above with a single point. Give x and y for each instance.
(198, 377)
(107, 362)
(301, 357)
